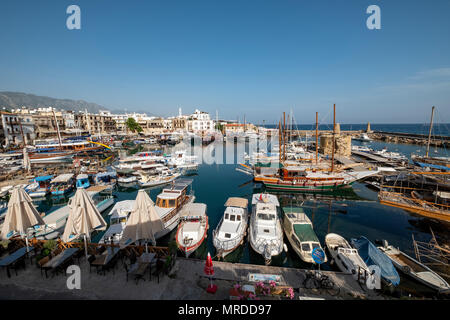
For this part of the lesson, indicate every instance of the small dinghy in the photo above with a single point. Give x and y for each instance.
(346, 257)
(415, 269)
(373, 256)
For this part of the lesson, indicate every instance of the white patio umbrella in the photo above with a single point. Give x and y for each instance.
(143, 223)
(83, 219)
(26, 160)
(21, 215)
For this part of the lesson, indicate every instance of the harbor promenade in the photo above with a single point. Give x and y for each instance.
(185, 282)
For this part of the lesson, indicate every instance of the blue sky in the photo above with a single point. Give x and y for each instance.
(251, 57)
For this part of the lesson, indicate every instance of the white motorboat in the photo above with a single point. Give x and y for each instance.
(300, 233)
(346, 257)
(266, 234)
(363, 137)
(43, 186)
(56, 220)
(118, 219)
(127, 182)
(193, 227)
(163, 178)
(415, 269)
(232, 228)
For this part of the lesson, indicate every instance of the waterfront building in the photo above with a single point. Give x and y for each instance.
(200, 121)
(16, 129)
(102, 123)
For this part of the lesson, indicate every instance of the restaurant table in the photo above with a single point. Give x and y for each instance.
(104, 258)
(59, 259)
(148, 257)
(7, 261)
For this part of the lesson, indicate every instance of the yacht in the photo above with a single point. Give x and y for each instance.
(300, 233)
(363, 137)
(266, 234)
(232, 228)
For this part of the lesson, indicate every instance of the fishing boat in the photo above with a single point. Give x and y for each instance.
(169, 204)
(266, 234)
(43, 186)
(371, 255)
(119, 215)
(346, 257)
(82, 181)
(193, 228)
(56, 220)
(232, 228)
(414, 269)
(300, 233)
(62, 184)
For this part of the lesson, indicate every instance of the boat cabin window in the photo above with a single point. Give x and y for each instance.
(232, 217)
(172, 203)
(123, 219)
(315, 245)
(265, 216)
(227, 235)
(266, 230)
(306, 247)
(238, 218)
(227, 216)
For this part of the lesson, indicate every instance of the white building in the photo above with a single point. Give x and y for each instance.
(15, 128)
(200, 121)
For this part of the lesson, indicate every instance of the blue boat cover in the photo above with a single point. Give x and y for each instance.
(43, 178)
(373, 256)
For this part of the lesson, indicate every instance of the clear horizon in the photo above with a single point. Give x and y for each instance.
(252, 58)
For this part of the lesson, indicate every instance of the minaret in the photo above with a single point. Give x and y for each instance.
(179, 113)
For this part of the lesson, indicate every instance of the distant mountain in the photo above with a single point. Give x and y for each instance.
(12, 100)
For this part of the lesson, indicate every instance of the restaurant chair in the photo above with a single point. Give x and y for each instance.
(125, 266)
(42, 262)
(90, 260)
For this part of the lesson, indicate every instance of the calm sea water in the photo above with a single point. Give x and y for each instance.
(351, 214)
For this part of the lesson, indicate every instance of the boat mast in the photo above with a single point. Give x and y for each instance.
(429, 133)
(279, 141)
(317, 137)
(284, 136)
(57, 129)
(334, 132)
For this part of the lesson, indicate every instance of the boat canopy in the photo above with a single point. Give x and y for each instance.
(193, 210)
(43, 178)
(82, 176)
(237, 202)
(305, 233)
(373, 256)
(63, 178)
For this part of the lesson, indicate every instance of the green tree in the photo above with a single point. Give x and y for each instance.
(133, 126)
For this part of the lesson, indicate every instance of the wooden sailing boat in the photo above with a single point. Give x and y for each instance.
(429, 197)
(302, 179)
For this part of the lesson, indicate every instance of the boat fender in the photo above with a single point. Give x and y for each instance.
(285, 247)
(406, 269)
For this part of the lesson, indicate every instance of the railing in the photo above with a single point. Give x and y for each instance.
(92, 247)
